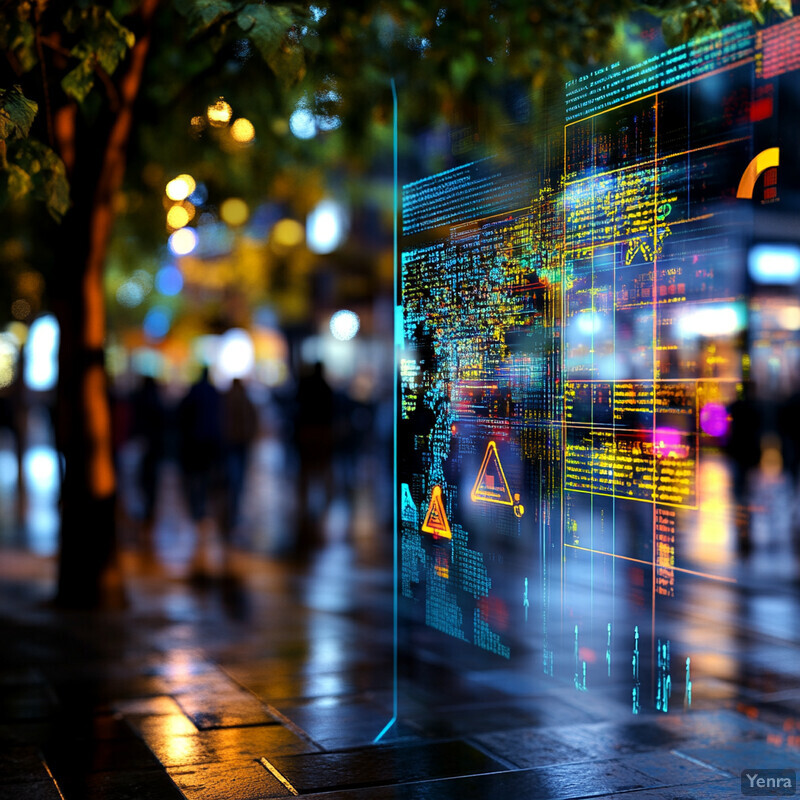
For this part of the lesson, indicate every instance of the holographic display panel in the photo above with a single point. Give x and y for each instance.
(573, 319)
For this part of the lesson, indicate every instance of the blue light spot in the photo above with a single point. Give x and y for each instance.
(169, 280)
(156, 323)
(200, 195)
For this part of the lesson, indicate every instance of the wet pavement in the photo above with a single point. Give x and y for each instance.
(274, 679)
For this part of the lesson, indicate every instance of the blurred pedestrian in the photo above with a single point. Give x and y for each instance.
(789, 432)
(313, 438)
(239, 431)
(744, 451)
(149, 427)
(200, 429)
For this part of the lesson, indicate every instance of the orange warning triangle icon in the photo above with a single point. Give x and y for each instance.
(436, 520)
(491, 485)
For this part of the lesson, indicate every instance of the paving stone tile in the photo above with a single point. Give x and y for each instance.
(671, 769)
(163, 725)
(77, 754)
(383, 765)
(717, 790)
(608, 740)
(553, 783)
(228, 744)
(22, 764)
(108, 726)
(337, 723)
(201, 683)
(33, 790)
(530, 747)
(715, 727)
(150, 706)
(484, 717)
(152, 784)
(242, 780)
(288, 681)
(212, 710)
(737, 756)
(180, 663)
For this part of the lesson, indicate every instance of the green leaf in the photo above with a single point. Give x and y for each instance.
(266, 26)
(16, 113)
(462, 68)
(105, 42)
(48, 175)
(288, 63)
(202, 14)
(17, 37)
(54, 185)
(112, 41)
(19, 182)
(78, 82)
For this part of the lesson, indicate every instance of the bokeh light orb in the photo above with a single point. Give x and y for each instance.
(236, 355)
(180, 188)
(183, 241)
(302, 124)
(20, 309)
(157, 322)
(130, 294)
(200, 194)
(714, 419)
(41, 365)
(177, 217)
(169, 280)
(589, 322)
(345, 325)
(325, 227)
(219, 114)
(234, 211)
(19, 331)
(288, 233)
(667, 442)
(243, 131)
(8, 359)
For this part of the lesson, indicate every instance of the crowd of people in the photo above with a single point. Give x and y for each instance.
(210, 435)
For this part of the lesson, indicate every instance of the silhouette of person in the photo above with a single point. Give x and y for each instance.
(789, 432)
(149, 425)
(239, 430)
(200, 430)
(744, 451)
(313, 437)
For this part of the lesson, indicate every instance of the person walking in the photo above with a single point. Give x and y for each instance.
(200, 430)
(239, 431)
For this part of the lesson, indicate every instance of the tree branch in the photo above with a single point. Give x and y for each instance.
(111, 90)
(37, 33)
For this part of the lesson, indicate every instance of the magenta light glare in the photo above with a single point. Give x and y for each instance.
(714, 419)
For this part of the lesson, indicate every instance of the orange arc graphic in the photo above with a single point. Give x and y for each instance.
(770, 157)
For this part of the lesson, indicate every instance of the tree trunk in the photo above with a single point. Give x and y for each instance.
(88, 572)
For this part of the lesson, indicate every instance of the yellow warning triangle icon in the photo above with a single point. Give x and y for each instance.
(436, 520)
(491, 485)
